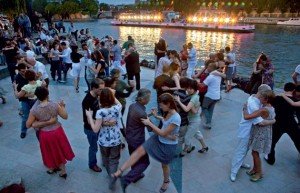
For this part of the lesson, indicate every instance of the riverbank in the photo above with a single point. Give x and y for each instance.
(207, 172)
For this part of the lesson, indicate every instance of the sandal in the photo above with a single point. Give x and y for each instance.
(190, 150)
(162, 190)
(203, 150)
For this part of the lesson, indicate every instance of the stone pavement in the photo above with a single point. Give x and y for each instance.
(207, 173)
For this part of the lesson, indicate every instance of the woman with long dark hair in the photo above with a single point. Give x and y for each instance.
(161, 146)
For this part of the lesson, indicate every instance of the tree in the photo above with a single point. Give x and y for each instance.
(104, 7)
(68, 8)
(51, 9)
(13, 7)
(39, 6)
(89, 6)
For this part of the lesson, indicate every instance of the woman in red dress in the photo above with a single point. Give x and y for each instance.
(55, 147)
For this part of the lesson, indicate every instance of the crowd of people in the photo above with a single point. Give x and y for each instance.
(186, 97)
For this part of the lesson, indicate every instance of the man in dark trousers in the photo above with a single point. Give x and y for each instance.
(133, 66)
(90, 101)
(135, 136)
(285, 121)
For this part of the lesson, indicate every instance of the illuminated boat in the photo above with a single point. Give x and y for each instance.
(209, 21)
(291, 21)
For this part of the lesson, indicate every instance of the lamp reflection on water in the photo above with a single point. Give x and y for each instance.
(144, 38)
(209, 42)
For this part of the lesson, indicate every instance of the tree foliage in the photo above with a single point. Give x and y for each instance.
(39, 6)
(89, 6)
(13, 7)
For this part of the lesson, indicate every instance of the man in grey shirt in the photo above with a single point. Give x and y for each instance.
(135, 136)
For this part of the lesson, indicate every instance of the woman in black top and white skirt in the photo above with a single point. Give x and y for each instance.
(162, 145)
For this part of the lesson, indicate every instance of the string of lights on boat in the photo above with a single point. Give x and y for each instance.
(190, 19)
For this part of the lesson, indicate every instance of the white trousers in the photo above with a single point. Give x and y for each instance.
(239, 154)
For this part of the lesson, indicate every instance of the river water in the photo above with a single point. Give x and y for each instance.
(280, 43)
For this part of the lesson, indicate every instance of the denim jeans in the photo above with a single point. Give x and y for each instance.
(26, 106)
(93, 148)
(208, 108)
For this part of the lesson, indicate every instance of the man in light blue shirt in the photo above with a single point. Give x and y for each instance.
(192, 60)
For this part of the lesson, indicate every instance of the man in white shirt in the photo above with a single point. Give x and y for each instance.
(39, 69)
(231, 68)
(67, 62)
(254, 103)
(296, 75)
(162, 61)
(192, 60)
(212, 95)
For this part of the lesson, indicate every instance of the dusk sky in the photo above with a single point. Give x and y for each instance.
(117, 2)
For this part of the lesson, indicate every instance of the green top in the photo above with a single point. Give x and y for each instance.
(126, 44)
(194, 116)
(30, 88)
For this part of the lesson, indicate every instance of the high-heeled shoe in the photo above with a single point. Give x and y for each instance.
(203, 150)
(65, 175)
(162, 190)
(55, 170)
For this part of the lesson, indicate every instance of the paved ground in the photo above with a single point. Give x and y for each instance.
(194, 173)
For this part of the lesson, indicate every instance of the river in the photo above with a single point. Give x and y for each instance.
(280, 43)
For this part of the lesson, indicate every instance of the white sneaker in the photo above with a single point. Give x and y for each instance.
(246, 166)
(232, 177)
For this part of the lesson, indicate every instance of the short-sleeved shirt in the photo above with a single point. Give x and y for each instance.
(55, 55)
(176, 120)
(195, 100)
(45, 112)
(40, 68)
(231, 56)
(89, 102)
(213, 83)
(109, 136)
(117, 51)
(21, 81)
(297, 70)
(30, 88)
(253, 104)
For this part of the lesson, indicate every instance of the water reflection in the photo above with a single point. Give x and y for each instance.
(208, 42)
(281, 43)
(144, 39)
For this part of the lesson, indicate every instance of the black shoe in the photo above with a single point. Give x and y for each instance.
(65, 175)
(23, 135)
(139, 178)
(203, 150)
(269, 160)
(123, 185)
(190, 150)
